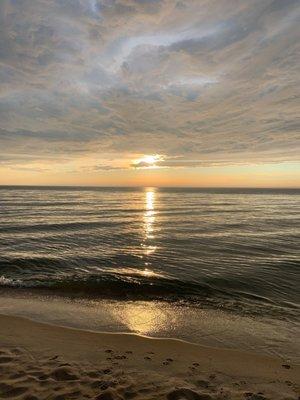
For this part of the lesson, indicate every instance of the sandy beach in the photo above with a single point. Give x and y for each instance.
(41, 361)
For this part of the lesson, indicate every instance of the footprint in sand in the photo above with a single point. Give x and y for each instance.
(187, 394)
(202, 383)
(109, 394)
(120, 357)
(37, 374)
(60, 397)
(64, 365)
(129, 394)
(63, 374)
(11, 392)
(103, 385)
(92, 374)
(72, 395)
(254, 396)
(17, 375)
(16, 351)
(106, 371)
(5, 359)
(168, 361)
(54, 358)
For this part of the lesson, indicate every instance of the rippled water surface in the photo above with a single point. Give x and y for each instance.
(236, 250)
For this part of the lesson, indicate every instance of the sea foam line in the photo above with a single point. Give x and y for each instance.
(9, 282)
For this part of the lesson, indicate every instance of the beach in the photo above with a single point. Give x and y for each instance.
(42, 361)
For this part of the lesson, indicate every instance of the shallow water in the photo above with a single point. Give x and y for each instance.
(208, 327)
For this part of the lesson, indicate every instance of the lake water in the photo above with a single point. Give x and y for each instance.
(220, 250)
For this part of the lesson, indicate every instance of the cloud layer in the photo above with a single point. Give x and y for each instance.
(201, 82)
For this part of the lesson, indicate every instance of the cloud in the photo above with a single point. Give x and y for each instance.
(141, 164)
(213, 80)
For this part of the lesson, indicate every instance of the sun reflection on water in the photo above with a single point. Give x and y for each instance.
(148, 248)
(144, 318)
(149, 215)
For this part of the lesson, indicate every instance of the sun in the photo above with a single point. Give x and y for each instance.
(147, 161)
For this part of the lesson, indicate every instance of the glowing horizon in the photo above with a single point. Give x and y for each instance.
(266, 176)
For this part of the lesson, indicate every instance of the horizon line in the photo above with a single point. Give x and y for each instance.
(152, 186)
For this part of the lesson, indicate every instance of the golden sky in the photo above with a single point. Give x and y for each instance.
(264, 175)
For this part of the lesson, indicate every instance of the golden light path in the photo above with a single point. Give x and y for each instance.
(149, 216)
(147, 248)
(146, 317)
(149, 221)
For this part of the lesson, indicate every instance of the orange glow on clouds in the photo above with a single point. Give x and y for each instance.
(265, 175)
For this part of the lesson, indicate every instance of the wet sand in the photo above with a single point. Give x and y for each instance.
(41, 361)
(208, 327)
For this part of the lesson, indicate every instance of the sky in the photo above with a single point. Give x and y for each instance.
(150, 92)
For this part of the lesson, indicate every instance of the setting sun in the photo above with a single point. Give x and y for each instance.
(147, 161)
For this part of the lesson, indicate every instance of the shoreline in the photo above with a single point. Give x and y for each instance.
(64, 355)
(208, 327)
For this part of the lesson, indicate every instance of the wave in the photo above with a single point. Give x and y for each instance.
(217, 294)
(60, 226)
(113, 285)
(10, 282)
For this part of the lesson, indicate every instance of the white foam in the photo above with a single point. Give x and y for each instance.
(9, 282)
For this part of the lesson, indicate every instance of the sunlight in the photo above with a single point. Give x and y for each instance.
(150, 159)
(150, 199)
(134, 272)
(147, 246)
(147, 161)
(144, 318)
(148, 273)
(149, 216)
